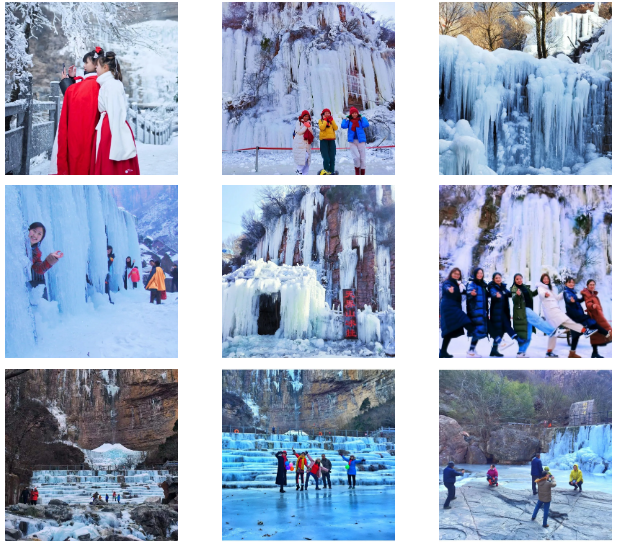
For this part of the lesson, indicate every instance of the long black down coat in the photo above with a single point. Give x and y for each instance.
(477, 308)
(282, 476)
(499, 311)
(452, 317)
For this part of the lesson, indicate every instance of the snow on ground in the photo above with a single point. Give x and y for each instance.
(152, 159)
(379, 161)
(518, 477)
(130, 328)
(362, 513)
(538, 348)
(268, 346)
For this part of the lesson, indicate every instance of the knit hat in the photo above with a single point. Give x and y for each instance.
(353, 109)
(546, 468)
(325, 110)
(305, 112)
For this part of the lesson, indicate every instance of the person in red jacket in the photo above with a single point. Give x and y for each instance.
(36, 234)
(35, 496)
(492, 475)
(314, 471)
(134, 276)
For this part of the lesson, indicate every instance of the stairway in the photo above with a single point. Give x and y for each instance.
(249, 461)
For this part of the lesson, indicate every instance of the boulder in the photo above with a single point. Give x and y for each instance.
(36, 511)
(452, 444)
(152, 499)
(57, 502)
(13, 533)
(174, 536)
(512, 445)
(475, 455)
(60, 513)
(83, 535)
(155, 519)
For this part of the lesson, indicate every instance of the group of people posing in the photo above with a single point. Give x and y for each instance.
(355, 123)
(488, 314)
(307, 467)
(93, 136)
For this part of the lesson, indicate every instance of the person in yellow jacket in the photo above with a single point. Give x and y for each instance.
(576, 478)
(156, 283)
(328, 147)
(301, 462)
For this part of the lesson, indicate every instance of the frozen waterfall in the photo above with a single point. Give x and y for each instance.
(588, 446)
(522, 115)
(249, 461)
(80, 221)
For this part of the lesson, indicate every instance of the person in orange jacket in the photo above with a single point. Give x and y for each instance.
(156, 284)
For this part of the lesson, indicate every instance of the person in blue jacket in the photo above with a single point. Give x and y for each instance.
(356, 125)
(449, 476)
(352, 469)
(453, 319)
(500, 315)
(477, 308)
(574, 310)
(536, 470)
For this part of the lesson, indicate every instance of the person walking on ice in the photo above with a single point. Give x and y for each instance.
(303, 138)
(356, 125)
(328, 146)
(449, 477)
(546, 483)
(576, 478)
(352, 469)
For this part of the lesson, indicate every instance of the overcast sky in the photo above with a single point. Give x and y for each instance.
(237, 199)
(383, 9)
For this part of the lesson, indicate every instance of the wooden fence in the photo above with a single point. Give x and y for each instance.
(28, 139)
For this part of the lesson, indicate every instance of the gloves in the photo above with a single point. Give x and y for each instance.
(307, 124)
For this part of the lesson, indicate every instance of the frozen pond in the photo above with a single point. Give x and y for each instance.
(518, 477)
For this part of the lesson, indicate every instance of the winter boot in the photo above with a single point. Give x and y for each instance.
(302, 488)
(495, 353)
(362, 171)
(350, 486)
(297, 487)
(329, 487)
(572, 354)
(357, 171)
(281, 490)
(318, 488)
(596, 355)
(445, 354)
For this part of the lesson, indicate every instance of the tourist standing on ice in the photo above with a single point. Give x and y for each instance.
(301, 462)
(156, 284)
(128, 266)
(114, 496)
(134, 276)
(546, 483)
(328, 146)
(78, 119)
(492, 475)
(327, 466)
(574, 310)
(595, 311)
(500, 315)
(34, 496)
(453, 319)
(449, 478)
(536, 471)
(477, 308)
(282, 477)
(314, 471)
(356, 125)
(524, 317)
(303, 138)
(174, 274)
(352, 469)
(113, 149)
(554, 315)
(110, 261)
(36, 234)
(576, 478)
(106, 498)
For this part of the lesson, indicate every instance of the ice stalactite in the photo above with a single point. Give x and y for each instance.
(383, 277)
(600, 55)
(531, 116)
(80, 221)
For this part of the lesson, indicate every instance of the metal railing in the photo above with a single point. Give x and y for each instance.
(603, 417)
(311, 432)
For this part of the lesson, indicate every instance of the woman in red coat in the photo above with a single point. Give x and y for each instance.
(35, 496)
(113, 147)
(595, 311)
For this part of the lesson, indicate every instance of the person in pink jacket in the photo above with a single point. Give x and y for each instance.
(314, 470)
(492, 475)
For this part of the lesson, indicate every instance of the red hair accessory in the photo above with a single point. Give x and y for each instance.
(98, 49)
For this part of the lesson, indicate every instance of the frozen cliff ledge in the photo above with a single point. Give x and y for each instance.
(503, 514)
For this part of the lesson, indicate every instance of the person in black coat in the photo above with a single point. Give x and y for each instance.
(128, 266)
(453, 319)
(500, 314)
(449, 476)
(110, 261)
(174, 274)
(536, 471)
(477, 308)
(282, 476)
(25, 496)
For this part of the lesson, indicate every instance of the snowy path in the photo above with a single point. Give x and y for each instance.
(538, 348)
(340, 513)
(280, 162)
(130, 328)
(152, 159)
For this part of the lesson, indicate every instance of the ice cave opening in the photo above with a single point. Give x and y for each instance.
(269, 317)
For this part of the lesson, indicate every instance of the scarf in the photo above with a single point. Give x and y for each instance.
(307, 135)
(355, 122)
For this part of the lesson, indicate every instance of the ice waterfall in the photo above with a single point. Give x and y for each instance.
(507, 112)
(249, 461)
(588, 446)
(80, 221)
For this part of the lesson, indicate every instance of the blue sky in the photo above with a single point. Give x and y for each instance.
(237, 199)
(383, 9)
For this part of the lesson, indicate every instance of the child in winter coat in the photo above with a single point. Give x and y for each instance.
(328, 146)
(36, 234)
(134, 276)
(355, 123)
(492, 475)
(303, 139)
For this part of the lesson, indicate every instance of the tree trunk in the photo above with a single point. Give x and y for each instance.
(539, 51)
(543, 29)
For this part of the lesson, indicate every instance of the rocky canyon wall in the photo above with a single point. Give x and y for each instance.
(134, 407)
(297, 399)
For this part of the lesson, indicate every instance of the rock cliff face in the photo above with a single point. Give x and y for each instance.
(134, 407)
(301, 398)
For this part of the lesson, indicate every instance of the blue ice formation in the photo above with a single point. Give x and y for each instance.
(588, 446)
